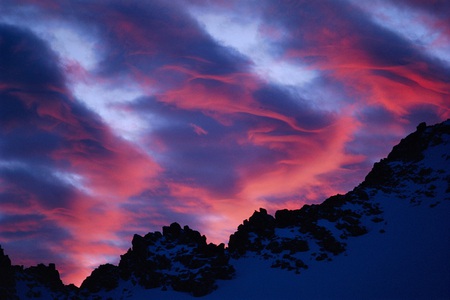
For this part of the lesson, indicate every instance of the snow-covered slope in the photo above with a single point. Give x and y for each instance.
(404, 257)
(389, 238)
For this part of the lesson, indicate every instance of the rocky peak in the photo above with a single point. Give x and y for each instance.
(179, 259)
(46, 275)
(7, 281)
(320, 231)
(405, 157)
(5, 262)
(418, 166)
(260, 224)
(104, 277)
(315, 232)
(31, 281)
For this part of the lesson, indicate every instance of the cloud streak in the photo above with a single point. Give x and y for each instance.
(119, 117)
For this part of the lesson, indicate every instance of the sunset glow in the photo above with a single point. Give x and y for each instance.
(120, 117)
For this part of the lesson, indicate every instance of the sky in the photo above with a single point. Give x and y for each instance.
(120, 117)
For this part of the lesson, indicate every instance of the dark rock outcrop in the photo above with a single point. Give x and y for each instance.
(36, 280)
(291, 231)
(178, 258)
(46, 275)
(328, 225)
(104, 277)
(7, 280)
(260, 226)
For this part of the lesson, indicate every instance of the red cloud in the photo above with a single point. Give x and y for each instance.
(288, 156)
(373, 71)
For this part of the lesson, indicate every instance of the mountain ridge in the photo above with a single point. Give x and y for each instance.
(417, 170)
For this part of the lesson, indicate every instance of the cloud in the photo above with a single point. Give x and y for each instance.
(354, 49)
(22, 66)
(58, 160)
(120, 117)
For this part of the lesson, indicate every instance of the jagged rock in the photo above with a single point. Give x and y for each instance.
(260, 224)
(377, 176)
(46, 275)
(5, 262)
(285, 218)
(104, 277)
(339, 217)
(173, 231)
(239, 241)
(331, 244)
(295, 245)
(7, 281)
(35, 279)
(179, 258)
(411, 147)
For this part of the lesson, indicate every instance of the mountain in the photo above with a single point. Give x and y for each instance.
(17, 282)
(178, 259)
(388, 238)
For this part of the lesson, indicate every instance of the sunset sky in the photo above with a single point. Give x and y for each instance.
(119, 117)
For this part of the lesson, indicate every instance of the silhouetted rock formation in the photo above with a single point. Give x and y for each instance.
(178, 258)
(259, 225)
(330, 224)
(39, 280)
(294, 230)
(7, 281)
(417, 170)
(408, 152)
(45, 275)
(104, 277)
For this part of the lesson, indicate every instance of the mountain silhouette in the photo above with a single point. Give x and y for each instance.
(387, 238)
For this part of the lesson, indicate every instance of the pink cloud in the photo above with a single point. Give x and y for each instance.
(198, 130)
(235, 150)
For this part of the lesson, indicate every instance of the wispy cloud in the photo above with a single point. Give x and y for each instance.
(119, 117)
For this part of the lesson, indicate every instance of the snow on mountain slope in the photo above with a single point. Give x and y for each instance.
(405, 253)
(389, 238)
(410, 260)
